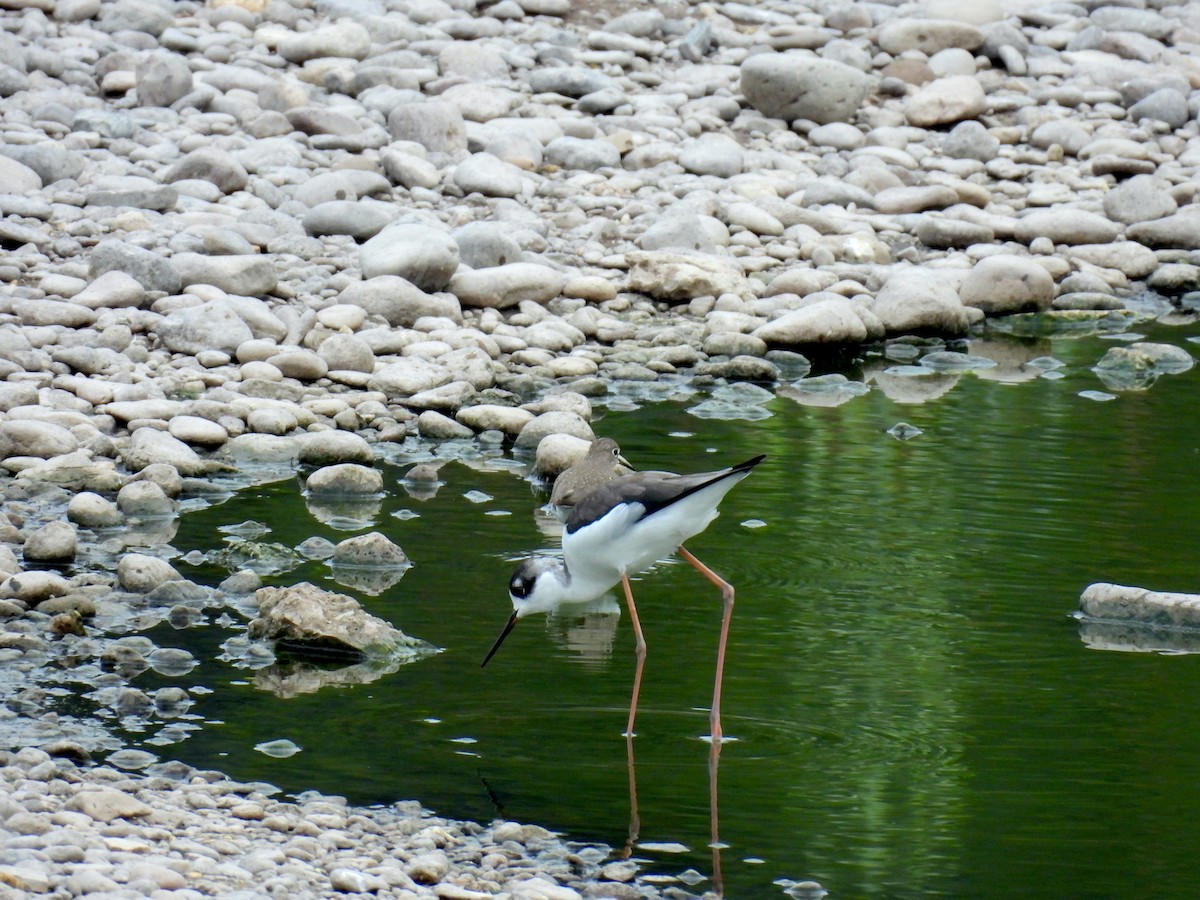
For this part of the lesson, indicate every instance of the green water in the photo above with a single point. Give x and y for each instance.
(916, 713)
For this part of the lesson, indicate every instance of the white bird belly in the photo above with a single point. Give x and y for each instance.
(628, 541)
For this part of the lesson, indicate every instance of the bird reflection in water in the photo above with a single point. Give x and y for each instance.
(714, 815)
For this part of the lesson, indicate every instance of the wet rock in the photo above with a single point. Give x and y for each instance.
(1136, 366)
(1123, 603)
(344, 479)
(369, 550)
(91, 510)
(141, 574)
(439, 427)
(149, 445)
(1175, 278)
(305, 618)
(144, 499)
(486, 417)
(328, 447)
(33, 587)
(54, 542)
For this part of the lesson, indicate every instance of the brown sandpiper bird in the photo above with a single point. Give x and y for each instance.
(602, 463)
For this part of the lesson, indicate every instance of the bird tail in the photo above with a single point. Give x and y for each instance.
(748, 464)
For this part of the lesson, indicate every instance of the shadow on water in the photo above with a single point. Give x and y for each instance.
(915, 713)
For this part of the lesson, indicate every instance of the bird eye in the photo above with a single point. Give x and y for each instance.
(616, 451)
(520, 586)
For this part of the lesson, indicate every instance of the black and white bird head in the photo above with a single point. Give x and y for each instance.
(537, 586)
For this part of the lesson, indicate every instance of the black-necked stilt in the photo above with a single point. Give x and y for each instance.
(602, 463)
(620, 529)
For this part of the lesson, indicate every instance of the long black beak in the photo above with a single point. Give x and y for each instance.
(512, 621)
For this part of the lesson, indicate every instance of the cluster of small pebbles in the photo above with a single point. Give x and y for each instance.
(300, 232)
(187, 834)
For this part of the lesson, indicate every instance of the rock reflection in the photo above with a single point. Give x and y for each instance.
(149, 532)
(824, 390)
(1126, 637)
(421, 490)
(1014, 359)
(912, 384)
(549, 521)
(348, 513)
(291, 677)
(371, 581)
(588, 632)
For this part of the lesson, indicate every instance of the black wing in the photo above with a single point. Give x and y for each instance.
(654, 490)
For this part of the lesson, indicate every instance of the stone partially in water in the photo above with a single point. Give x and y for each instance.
(345, 479)
(1117, 602)
(902, 431)
(1138, 366)
(54, 542)
(309, 620)
(372, 550)
(141, 574)
(171, 661)
(132, 759)
(316, 547)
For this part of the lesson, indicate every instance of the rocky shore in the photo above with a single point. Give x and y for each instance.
(299, 234)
